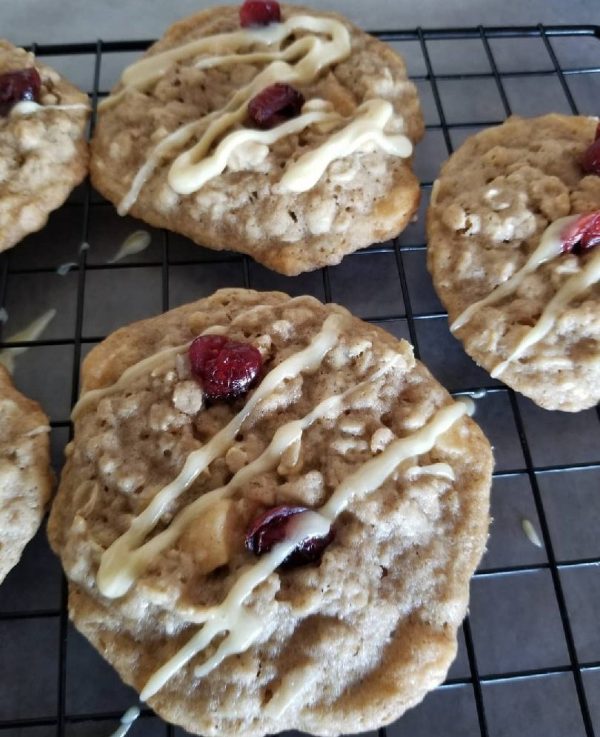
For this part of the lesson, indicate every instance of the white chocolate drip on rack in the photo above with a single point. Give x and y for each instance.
(328, 42)
(111, 581)
(29, 333)
(243, 627)
(127, 720)
(573, 287)
(135, 242)
(550, 246)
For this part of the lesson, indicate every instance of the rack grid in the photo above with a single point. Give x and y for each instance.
(529, 655)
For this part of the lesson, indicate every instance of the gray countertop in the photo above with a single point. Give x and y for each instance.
(54, 21)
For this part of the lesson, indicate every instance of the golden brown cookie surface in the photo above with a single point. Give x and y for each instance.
(364, 196)
(25, 475)
(43, 151)
(360, 636)
(534, 317)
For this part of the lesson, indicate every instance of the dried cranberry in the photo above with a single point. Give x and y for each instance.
(272, 528)
(225, 368)
(582, 234)
(22, 84)
(274, 105)
(590, 161)
(259, 13)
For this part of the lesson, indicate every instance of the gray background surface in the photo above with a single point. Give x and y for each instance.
(24, 21)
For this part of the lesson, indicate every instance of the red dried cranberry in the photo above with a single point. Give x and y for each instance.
(225, 368)
(582, 234)
(590, 161)
(259, 13)
(272, 528)
(22, 84)
(274, 105)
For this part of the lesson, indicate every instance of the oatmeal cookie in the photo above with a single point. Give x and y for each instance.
(178, 145)
(288, 432)
(25, 475)
(511, 230)
(43, 151)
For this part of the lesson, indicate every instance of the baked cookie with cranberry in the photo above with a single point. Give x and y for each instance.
(269, 516)
(284, 133)
(513, 230)
(43, 150)
(25, 475)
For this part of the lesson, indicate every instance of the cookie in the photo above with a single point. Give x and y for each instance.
(512, 256)
(43, 150)
(25, 475)
(178, 142)
(288, 433)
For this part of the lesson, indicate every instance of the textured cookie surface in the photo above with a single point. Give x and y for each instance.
(363, 197)
(25, 475)
(363, 635)
(43, 153)
(493, 201)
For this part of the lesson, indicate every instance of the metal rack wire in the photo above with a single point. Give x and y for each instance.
(60, 720)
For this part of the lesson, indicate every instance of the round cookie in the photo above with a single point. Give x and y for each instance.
(25, 476)
(524, 308)
(341, 645)
(363, 196)
(43, 151)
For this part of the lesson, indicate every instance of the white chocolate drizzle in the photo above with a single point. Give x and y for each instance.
(140, 75)
(121, 565)
(301, 62)
(243, 627)
(111, 581)
(39, 430)
(128, 556)
(573, 287)
(28, 107)
(531, 533)
(177, 139)
(230, 616)
(294, 685)
(368, 126)
(135, 242)
(141, 368)
(64, 269)
(442, 470)
(127, 721)
(549, 247)
(186, 177)
(30, 332)
(316, 53)
(130, 374)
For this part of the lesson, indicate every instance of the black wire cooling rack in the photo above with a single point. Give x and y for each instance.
(529, 656)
